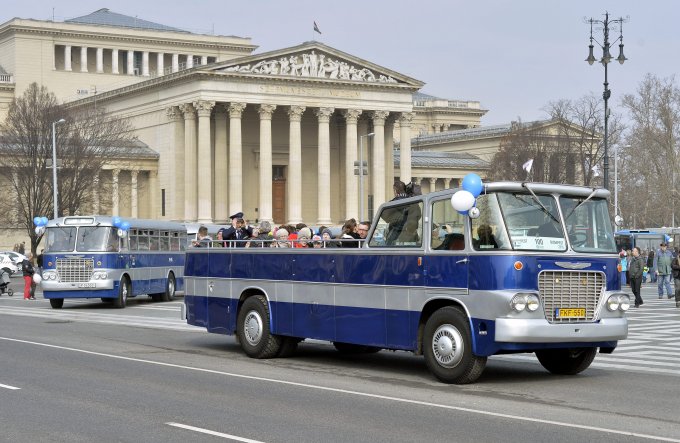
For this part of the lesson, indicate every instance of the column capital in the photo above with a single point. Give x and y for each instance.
(432, 180)
(266, 111)
(324, 114)
(295, 113)
(204, 107)
(188, 111)
(115, 173)
(352, 115)
(406, 118)
(379, 117)
(236, 109)
(173, 113)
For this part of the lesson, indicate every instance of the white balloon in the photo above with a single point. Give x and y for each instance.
(37, 279)
(462, 200)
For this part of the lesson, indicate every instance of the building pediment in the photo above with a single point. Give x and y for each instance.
(315, 61)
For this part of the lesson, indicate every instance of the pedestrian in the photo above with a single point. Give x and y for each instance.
(39, 261)
(624, 267)
(676, 279)
(22, 248)
(635, 270)
(663, 259)
(28, 271)
(650, 265)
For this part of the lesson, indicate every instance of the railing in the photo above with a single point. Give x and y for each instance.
(6, 78)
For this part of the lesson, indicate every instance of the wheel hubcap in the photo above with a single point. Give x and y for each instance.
(447, 346)
(252, 328)
(125, 290)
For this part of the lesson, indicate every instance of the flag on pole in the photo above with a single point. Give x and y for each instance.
(528, 164)
(596, 170)
(316, 28)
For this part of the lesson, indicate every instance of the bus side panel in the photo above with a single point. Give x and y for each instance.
(219, 300)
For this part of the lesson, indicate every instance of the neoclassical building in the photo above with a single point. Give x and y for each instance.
(278, 135)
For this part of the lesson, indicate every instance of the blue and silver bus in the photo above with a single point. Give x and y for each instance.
(531, 270)
(90, 257)
(645, 239)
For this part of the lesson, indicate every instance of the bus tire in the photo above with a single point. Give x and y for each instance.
(447, 347)
(123, 292)
(349, 348)
(56, 303)
(569, 361)
(254, 331)
(170, 285)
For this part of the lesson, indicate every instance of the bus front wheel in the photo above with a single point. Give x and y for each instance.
(566, 361)
(123, 292)
(56, 303)
(447, 347)
(254, 330)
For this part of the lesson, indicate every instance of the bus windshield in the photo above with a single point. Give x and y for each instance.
(97, 239)
(588, 225)
(61, 239)
(533, 222)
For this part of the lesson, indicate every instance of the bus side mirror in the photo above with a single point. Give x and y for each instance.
(618, 220)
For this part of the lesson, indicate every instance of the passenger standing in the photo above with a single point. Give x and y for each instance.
(663, 259)
(28, 271)
(635, 269)
(349, 237)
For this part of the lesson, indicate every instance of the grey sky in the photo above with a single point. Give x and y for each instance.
(512, 56)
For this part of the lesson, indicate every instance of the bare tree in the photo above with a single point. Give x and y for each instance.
(84, 144)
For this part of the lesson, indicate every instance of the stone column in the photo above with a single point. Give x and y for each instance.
(115, 198)
(83, 59)
(220, 163)
(294, 183)
(160, 63)
(190, 177)
(235, 158)
(378, 154)
(95, 193)
(204, 161)
(389, 156)
(351, 192)
(176, 166)
(154, 195)
(114, 61)
(175, 62)
(131, 62)
(405, 146)
(204, 59)
(145, 63)
(324, 167)
(134, 203)
(433, 183)
(100, 60)
(265, 200)
(190, 61)
(67, 58)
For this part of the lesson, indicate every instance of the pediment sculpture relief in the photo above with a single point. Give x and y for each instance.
(312, 65)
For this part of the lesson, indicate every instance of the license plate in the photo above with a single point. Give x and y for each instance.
(87, 285)
(570, 312)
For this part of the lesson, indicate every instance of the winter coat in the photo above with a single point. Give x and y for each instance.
(636, 267)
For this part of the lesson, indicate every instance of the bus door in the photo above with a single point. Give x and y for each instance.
(448, 263)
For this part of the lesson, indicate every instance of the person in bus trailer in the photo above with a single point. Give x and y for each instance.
(203, 239)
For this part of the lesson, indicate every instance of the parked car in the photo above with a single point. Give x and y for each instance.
(15, 257)
(6, 262)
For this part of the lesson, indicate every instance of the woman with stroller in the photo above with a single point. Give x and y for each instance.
(28, 271)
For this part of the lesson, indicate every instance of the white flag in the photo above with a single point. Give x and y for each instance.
(596, 171)
(527, 166)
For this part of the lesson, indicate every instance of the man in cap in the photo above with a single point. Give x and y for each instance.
(237, 231)
(663, 260)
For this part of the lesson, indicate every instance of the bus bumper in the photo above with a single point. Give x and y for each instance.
(514, 330)
(94, 285)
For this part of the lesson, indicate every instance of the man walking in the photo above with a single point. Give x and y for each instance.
(663, 260)
(636, 268)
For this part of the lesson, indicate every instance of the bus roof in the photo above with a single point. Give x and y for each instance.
(107, 220)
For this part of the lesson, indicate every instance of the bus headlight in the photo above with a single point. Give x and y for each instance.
(619, 302)
(624, 302)
(49, 275)
(525, 301)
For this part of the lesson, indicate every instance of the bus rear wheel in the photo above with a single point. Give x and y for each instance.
(169, 294)
(447, 347)
(56, 303)
(254, 331)
(123, 292)
(569, 361)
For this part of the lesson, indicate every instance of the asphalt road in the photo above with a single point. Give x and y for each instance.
(89, 373)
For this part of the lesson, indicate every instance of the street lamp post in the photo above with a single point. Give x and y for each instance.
(54, 164)
(361, 173)
(606, 58)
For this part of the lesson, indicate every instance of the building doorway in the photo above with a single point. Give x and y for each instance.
(279, 194)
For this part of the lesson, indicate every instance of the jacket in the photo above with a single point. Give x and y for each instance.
(636, 267)
(676, 269)
(27, 268)
(662, 262)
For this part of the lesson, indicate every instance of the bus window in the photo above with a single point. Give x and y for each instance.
(61, 239)
(143, 240)
(165, 241)
(133, 239)
(175, 242)
(400, 226)
(448, 227)
(154, 241)
(488, 230)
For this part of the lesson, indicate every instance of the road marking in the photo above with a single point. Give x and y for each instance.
(215, 433)
(13, 388)
(355, 393)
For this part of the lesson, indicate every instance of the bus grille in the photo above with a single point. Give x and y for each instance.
(570, 289)
(73, 270)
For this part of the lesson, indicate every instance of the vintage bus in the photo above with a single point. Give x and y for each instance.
(90, 257)
(645, 239)
(531, 270)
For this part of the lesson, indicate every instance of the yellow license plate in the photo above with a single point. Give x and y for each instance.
(570, 312)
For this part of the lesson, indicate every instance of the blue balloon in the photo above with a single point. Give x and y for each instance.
(473, 184)
(116, 222)
(43, 221)
(36, 221)
(125, 226)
